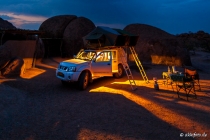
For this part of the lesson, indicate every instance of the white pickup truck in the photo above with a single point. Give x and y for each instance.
(91, 64)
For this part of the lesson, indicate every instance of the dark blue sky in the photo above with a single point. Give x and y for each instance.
(172, 16)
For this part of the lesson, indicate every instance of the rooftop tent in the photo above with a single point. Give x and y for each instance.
(105, 36)
(101, 36)
(126, 38)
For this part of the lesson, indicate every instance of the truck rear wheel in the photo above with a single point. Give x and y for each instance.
(83, 80)
(120, 73)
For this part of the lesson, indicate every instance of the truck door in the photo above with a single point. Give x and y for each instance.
(102, 64)
(114, 61)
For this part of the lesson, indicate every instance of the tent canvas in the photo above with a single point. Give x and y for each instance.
(105, 36)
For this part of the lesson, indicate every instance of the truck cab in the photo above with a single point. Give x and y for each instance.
(88, 65)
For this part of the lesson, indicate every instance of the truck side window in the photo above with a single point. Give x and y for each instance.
(103, 56)
(100, 57)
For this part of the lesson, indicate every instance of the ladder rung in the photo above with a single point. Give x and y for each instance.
(132, 84)
(128, 71)
(138, 63)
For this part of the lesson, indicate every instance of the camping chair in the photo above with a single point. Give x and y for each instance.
(184, 83)
(193, 74)
(175, 79)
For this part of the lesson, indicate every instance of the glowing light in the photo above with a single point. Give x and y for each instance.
(4, 80)
(90, 134)
(31, 73)
(161, 112)
(138, 82)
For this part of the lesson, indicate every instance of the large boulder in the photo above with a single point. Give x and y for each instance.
(24, 49)
(74, 33)
(63, 34)
(15, 67)
(4, 24)
(53, 29)
(5, 56)
(193, 41)
(158, 47)
(55, 26)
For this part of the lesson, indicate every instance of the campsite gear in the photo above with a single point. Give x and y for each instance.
(169, 69)
(193, 74)
(183, 83)
(127, 70)
(138, 63)
(156, 86)
(166, 78)
(173, 69)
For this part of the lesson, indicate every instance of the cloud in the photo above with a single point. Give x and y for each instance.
(19, 20)
(169, 15)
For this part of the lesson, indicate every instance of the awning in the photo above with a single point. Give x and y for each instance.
(94, 36)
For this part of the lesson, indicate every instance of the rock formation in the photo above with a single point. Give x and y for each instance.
(157, 46)
(23, 50)
(74, 32)
(16, 51)
(15, 67)
(64, 33)
(55, 26)
(5, 56)
(192, 41)
(6, 25)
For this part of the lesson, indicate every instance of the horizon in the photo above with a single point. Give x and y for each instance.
(173, 17)
(117, 28)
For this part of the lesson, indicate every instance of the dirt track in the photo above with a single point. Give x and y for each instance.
(40, 107)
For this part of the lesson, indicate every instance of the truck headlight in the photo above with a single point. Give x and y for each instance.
(73, 69)
(66, 68)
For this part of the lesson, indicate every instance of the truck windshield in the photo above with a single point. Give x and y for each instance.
(86, 55)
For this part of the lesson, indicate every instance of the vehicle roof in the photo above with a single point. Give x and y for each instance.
(101, 49)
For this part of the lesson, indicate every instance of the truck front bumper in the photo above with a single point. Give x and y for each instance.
(67, 76)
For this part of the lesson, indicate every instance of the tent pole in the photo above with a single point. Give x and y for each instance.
(35, 53)
(2, 35)
(99, 43)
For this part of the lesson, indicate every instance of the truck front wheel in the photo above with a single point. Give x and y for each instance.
(120, 73)
(83, 80)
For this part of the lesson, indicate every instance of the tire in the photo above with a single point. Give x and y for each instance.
(83, 80)
(64, 83)
(120, 73)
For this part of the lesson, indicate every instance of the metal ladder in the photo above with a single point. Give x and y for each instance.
(138, 63)
(127, 70)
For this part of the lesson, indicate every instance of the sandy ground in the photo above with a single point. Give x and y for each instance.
(37, 106)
